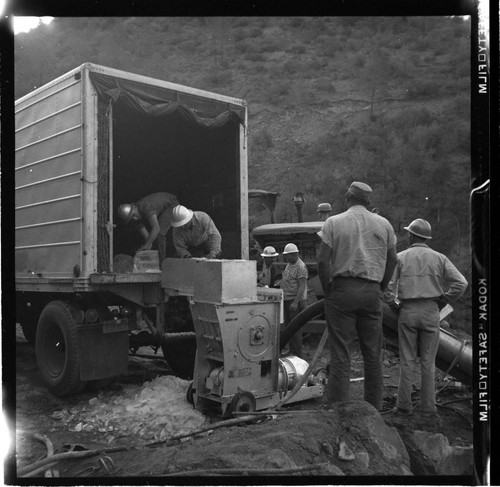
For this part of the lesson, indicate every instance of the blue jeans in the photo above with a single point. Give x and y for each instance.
(354, 306)
(418, 329)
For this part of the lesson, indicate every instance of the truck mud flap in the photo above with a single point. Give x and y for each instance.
(103, 350)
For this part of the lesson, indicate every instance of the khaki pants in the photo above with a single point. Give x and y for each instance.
(418, 329)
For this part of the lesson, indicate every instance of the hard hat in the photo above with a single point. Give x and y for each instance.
(125, 211)
(324, 207)
(269, 252)
(420, 228)
(290, 248)
(181, 215)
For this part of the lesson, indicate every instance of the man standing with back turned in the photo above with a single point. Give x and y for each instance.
(423, 277)
(355, 263)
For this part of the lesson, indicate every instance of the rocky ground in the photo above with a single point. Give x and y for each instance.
(140, 426)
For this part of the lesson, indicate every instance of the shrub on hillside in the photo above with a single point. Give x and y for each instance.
(297, 49)
(241, 22)
(331, 49)
(217, 77)
(324, 84)
(255, 57)
(293, 66)
(255, 32)
(404, 121)
(424, 89)
(296, 22)
(263, 139)
(271, 45)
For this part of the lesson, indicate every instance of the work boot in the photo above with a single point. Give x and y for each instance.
(402, 412)
(429, 420)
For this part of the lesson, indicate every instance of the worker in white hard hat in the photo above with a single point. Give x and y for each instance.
(151, 217)
(356, 260)
(423, 280)
(324, 211)
(266, 277)
(195, 234)
(294, 285)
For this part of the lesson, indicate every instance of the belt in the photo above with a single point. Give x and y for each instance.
(356, 278)
(415, 300)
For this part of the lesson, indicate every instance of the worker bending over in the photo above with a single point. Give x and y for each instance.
(294, 285)
(355, 262)
(419, 283)
(195, 234)
(154, 212)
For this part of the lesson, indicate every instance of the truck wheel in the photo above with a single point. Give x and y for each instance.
(57, 349)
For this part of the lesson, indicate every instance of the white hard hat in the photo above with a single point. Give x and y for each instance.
(290, 248)
(269, 252)
(181, 215)
(324, 207)
(125, 211)
(420, 228)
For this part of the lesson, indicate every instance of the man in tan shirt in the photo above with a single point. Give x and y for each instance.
(423, 277)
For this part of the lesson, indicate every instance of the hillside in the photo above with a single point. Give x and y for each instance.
(331, 100)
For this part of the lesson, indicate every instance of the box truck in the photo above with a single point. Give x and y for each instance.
(85, 143)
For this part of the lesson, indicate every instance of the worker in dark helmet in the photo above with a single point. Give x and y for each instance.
(195, 234)
(423, 279)
(151, 216)
(324, 211)
(266, 277)
(356, 260)
(294, 285)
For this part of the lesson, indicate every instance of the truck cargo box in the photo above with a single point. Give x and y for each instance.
(97, 137)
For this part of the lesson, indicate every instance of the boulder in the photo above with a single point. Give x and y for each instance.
(431, 454)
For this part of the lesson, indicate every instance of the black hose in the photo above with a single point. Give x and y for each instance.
(314, 310)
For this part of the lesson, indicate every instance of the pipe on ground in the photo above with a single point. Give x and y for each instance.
(454, 355)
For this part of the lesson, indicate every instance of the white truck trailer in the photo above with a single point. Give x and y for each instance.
(86, 142)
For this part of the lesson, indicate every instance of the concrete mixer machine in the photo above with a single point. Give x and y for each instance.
(237, 328)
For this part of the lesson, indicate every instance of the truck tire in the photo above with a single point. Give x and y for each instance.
(56, 348)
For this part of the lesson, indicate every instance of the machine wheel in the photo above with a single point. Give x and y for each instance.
(57, 349)
(242, 402)
(321, 376)
(190, 394)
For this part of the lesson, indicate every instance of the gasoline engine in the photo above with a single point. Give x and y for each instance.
(237, 328)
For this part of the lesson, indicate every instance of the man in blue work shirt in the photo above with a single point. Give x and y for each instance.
(419, 283)
(356, 260)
